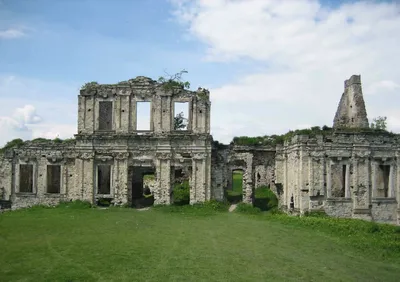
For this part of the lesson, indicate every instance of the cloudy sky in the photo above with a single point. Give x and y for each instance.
(270, 65)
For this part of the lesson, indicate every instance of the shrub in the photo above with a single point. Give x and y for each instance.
(216, 205)
(247, 209)
(181, 193)
(104, 202)
(315, 214)
(265, 199)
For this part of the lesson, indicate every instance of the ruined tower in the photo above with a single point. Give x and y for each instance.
(351, 111)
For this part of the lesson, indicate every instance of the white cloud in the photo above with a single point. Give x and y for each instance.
(307, 50)
(16, 126)
(11, 33)
(33, 108)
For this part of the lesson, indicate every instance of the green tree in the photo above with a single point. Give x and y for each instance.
(180, 122)
(379, 123)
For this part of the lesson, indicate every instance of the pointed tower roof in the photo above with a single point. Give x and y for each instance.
(351, 112)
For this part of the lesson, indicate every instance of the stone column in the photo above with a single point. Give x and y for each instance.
(391, 184)
(164, 179)
(311, 175)
(285, 181)
(198, 192)
(121, 190)
(81, 113)
(87, 174)
(207, 176)
(347, 192)
(133, 115)
(9, 179)
(248, 188)
(355, 182)
(322, 167)
(329, 179)
(373, 179)
(398, 187)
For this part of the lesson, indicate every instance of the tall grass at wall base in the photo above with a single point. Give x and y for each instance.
(199, 209)
(382, 240)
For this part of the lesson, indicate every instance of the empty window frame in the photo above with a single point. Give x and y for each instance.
(26, 178)
(53, 178)
(143, 116)
(104, 179)
(181, 116)
(105, 115)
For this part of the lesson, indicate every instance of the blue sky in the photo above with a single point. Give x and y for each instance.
(48, 49)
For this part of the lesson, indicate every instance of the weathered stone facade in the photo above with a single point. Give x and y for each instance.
(346, 174)
(109, 148)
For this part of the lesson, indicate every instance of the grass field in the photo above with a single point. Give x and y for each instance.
(191, 244)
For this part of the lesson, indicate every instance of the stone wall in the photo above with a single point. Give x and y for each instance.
(338, 173)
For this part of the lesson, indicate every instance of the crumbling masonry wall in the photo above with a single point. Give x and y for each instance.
(257, 164)
(346, 174)
(109, 140)
(340, 174)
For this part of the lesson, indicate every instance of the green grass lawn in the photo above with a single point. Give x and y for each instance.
(185, 244)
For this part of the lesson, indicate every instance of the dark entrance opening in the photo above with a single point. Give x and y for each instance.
(142, 181)
(53, 178)
(26, 178)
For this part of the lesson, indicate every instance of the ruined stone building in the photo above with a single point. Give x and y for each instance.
(349, 171)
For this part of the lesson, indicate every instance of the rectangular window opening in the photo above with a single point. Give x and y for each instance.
(338, 178)
(143, 116)
(181, 115)
(26, 178)
(105, 115)
(53, 178)
(383, 173)
(104, 179)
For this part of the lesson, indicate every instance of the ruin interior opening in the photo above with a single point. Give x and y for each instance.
(143, 116)
(26, 178)
(53, 178)
(181, 108)
(105, 115)
(382, 180)
(103, 179)
(235, 193)
(338, 184)
(142, 182)
(181, 189)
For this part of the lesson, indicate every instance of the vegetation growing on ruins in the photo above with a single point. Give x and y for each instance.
(379, 123)
(272, 140)
(90, 85)
(172, 82)
(180, 122)
(17, 143)
(377, 127)
(74, 242)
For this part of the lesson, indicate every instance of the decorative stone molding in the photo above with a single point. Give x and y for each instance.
(27, 158)
(86, 156)
(54, 158)
(104, 158)
(164, 156)
(199, 156)
(121, 156)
